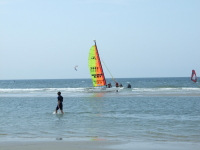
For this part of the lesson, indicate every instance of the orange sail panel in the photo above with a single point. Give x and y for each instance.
(95, 67)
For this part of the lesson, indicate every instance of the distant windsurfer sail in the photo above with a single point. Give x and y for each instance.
(194, 76)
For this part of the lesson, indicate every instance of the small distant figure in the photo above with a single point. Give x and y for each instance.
(109, 85)
(60, 105)
(116, 84)
(129, 86)
(120, 85)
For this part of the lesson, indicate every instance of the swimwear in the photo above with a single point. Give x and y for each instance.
(60, 105)
(60, 98)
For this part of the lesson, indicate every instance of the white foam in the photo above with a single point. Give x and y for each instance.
(166, 89)
(58, 113)
(81, 90)
(41, 90)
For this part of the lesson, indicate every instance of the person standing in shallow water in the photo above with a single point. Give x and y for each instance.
(60, 105)
(129, 86)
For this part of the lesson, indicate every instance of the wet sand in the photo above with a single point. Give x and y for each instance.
(55, 145)
(96, 145)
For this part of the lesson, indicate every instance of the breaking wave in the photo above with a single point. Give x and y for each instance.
(78, 90)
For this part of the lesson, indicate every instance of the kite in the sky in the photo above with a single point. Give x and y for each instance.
(75, 68)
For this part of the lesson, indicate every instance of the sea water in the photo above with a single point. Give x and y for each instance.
(154, 109)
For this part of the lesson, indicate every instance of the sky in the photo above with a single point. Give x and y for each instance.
(45, 39)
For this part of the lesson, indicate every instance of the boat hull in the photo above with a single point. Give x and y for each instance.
(101, 90)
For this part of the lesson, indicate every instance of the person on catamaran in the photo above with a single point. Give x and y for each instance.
(116, 84)
(120, 85)
(109, 85)
(60, 105)
(129, 86)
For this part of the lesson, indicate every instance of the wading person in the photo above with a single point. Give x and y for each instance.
(60, 105)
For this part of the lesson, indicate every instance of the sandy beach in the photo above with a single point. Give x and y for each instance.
(96, 145)
(56, 145)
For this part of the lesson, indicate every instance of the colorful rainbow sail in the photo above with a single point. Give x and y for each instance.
(95, 67)
(194, 76)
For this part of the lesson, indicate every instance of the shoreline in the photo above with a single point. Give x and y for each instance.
(47, 144)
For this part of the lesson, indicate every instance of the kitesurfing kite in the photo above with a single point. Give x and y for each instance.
(193, 76)
(75, 68)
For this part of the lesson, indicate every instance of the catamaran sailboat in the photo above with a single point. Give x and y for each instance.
(96, 72)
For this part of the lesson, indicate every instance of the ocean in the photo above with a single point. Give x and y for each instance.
(154, 109)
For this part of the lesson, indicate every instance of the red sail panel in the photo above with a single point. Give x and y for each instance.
(194, 76)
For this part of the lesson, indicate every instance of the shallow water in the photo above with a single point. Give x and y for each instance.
(28, 105)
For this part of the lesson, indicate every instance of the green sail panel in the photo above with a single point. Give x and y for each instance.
(95, 67)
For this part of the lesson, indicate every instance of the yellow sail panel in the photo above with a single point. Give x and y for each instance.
(95, 67)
